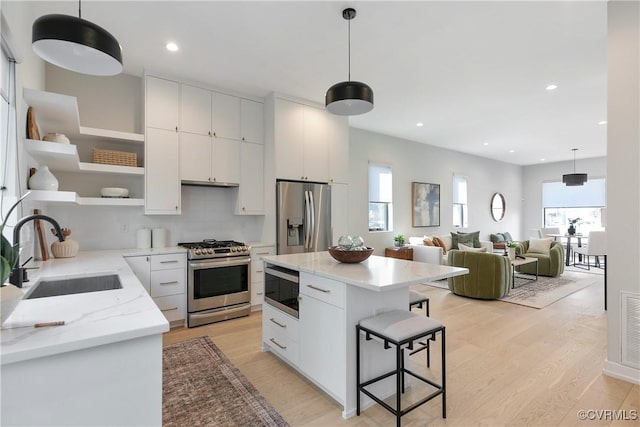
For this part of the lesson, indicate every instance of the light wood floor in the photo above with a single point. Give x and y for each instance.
(506, 365)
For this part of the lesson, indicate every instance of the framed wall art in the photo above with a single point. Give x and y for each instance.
(426, 204)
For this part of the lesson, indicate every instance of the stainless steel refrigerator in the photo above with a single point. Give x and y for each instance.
(303, 217)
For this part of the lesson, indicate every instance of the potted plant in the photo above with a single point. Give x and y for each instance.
(572, 228)
(399, 240)
(511, 250)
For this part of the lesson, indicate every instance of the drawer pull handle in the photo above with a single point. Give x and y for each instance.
(284, 347)
(168, 309)
(279, 324)
(326, 291)
(259, 271)
(262, 253)
(175, 282)
(169, 262)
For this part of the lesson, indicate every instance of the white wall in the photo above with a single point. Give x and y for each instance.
(623, 180)
(533, 176)
(416, 162)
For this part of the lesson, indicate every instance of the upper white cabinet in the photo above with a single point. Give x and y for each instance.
(161, 103)
(252, 121)
(310, 143)
(162, 177)
(195, 110)
(225, 117)
(251, 192)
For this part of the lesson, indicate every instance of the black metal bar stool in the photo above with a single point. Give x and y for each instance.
(400, 328)
(417, 300)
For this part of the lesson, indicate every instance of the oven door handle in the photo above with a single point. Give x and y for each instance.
(218, 262)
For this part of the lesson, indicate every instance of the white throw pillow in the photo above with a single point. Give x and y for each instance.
(466, 248)
(540, 246)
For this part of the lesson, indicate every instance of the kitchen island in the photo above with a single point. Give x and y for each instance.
(102, 367)
(333, 298)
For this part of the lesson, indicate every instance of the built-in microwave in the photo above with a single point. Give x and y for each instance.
(281, 288)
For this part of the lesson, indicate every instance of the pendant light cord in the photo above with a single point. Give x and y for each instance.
(349, 50)
(80, 9)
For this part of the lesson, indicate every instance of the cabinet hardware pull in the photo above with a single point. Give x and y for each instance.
(262, 253)
(175, 282)
(326, 291)
(277, 323)
(168, 309)
(259, 271)
(168, 262)
(284, 347)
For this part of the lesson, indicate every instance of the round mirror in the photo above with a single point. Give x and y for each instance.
(498, 207)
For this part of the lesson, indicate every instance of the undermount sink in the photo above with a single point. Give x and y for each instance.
(78, 285)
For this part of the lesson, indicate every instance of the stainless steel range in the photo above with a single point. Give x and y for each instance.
(218, 281)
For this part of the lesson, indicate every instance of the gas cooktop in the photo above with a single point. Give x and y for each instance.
(211, 248)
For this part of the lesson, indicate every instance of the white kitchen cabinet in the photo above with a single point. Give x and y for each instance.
(257, 273)
(251, 191)
(322, 326)
(280, 331)
(252, 121)
(338, 138)
(162, 103)
(304, 138)
(195, 110)
(339, 211)
(195, 157)
(165, 278)
(162, 177)
(225, 161)
(225, 116)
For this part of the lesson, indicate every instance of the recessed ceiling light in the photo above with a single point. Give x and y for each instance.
(603, 122)
(485, 143)
(512, 151)
(552, 87)
(419, 124)
(542, 160)
(172, 47)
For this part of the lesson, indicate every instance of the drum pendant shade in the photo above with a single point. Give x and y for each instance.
(76, 44)
(574, 179)
(349, 98)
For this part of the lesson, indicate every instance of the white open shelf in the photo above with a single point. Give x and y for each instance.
(65, 197)
(59, 113)
(64, 157)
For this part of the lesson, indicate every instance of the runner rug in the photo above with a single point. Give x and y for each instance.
(201, 387)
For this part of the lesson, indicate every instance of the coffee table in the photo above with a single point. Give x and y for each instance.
(518, 262)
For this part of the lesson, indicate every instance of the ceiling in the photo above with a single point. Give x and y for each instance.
(474, 73)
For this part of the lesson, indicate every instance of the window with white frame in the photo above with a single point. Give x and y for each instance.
(561, 203)
(380, 198)
(460, 211)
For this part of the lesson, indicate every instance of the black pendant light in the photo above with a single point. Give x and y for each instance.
(574, 179)
(76, 44)
(349, 98)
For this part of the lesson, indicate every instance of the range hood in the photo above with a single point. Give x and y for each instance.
(210, 183)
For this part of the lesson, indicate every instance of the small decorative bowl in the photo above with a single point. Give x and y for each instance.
(350, 256)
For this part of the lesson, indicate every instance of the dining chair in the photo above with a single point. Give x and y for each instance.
(597, 247)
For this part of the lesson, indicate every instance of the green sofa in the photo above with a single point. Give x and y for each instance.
(551, 264)
(489, 274)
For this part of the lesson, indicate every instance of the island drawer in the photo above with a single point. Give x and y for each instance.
(168, 282)
(323, 289)
(173, 307)
(168, 261)
(280, 343)
(278, 321)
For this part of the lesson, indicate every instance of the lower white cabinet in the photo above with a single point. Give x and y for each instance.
(280, 332)
(322, 328)
(165, 278)
(257, 273)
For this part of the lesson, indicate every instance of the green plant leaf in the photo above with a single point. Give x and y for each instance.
(5, 270)
(6, 251)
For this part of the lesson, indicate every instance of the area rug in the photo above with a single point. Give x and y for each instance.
(540, 294)
(201, 387)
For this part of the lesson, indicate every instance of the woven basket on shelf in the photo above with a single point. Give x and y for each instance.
(112, 157)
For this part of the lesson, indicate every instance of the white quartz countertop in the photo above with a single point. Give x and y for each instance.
(376, 273)
(91, 319)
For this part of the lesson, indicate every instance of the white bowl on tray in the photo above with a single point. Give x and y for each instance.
(56, 137)
(114, 192)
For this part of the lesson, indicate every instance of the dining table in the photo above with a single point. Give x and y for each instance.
(579, 237)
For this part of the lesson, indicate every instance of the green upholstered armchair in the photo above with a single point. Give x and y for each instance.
(551, 264)
(489, 274)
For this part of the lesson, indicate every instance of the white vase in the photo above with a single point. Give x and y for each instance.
(10, 296)
(43, 179)
(512, 253)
